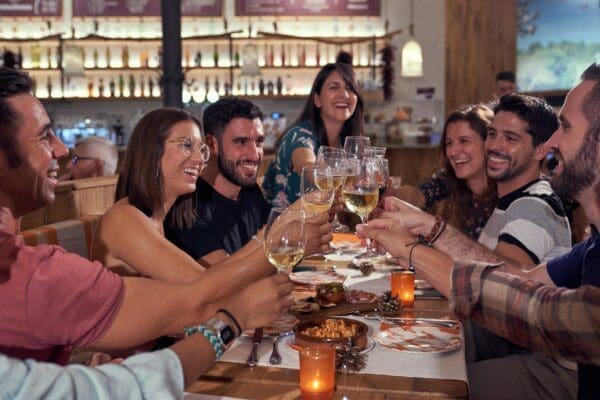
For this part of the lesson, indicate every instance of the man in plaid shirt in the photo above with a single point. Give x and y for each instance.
(560, 315)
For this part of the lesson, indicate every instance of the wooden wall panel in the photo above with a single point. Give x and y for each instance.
(481, 40)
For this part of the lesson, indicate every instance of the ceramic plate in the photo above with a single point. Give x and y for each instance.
(418, 338)
(314, 278)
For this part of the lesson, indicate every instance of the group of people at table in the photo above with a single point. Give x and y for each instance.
(181, 248)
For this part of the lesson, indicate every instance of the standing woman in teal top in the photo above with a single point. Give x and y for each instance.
(334, 110)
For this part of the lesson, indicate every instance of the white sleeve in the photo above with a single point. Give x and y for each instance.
(156, 375)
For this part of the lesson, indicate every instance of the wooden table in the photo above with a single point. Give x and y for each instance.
(238, 380)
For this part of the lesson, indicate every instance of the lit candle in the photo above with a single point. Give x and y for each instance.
(403, 287)
(317, 373)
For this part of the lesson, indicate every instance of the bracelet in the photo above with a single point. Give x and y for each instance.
(434, 230)
(210, 335)
(439, 233)
(258, 240)
(411, 267)
(232, 319)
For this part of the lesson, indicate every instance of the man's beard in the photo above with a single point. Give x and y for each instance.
(511, 171)
(580, 172)
(228, 169)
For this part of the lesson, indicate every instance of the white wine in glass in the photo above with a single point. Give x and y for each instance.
(285, 237)
(316, 187)
(334, 158)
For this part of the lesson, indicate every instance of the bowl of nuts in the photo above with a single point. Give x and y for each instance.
(331, 332)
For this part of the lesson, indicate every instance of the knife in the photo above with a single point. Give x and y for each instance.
(256, 339)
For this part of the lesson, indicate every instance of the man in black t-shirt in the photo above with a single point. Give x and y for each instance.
(230, 206)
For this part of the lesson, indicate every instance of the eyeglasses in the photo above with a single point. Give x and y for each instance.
(74, 159)
(187, 145)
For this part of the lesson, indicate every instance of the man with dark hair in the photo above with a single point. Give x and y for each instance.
(51, 300)
(560, 314)
(505, 83)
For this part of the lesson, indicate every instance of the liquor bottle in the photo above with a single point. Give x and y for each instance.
(143, 87)
(302, 60)
(19, 60)
(272, 57)
(217, 84)
(111, 86)
(238, 86)
(261, 86)
(198, 59)
(125, 56)
(318, 55)
(35, 56)
(279, 85)
(206, 85)
(49, 56)
(101, 88)
(131, 86)
(216, 55)
(236, 56)
(252, 87)
(266, 55)
(270, 88)
(186, 57)
(95, 58)
(90, 87)
(283, 64)
(151, 86)
(226, 88)
(107, 55)
(49, 86)
(82, 55)
(121, 86)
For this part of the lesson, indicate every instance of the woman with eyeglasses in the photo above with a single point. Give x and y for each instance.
(165, 155)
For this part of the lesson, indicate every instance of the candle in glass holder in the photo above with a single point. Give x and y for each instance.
(403, 287)
(317, 373)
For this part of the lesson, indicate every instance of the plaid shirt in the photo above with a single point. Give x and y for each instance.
(556, 321)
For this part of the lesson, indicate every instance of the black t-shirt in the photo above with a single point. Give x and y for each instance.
(221, 223)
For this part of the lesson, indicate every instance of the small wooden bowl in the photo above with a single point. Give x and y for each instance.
(331, 292)
(358, 340)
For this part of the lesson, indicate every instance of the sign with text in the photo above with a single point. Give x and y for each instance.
(143, 8)
(308, 7)
(30, 8)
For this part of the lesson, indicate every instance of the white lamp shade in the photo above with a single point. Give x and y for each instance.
(412, 59)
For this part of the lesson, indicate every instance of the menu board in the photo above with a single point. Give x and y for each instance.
(143, 8)
(30, 8)
(308, 7)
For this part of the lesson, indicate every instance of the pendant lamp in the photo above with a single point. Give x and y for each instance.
(412, 55)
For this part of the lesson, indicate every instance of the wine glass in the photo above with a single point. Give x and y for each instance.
(334, 158)
(285, 237)
(355, 146)
(378, 152)
(382, 176)
(360, 192)
(317, 189)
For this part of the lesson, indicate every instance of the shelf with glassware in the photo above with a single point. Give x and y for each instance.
(129, 67)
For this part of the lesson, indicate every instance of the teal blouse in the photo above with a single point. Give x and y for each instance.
(282, 184)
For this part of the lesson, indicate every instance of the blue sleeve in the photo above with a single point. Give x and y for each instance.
(566, 270)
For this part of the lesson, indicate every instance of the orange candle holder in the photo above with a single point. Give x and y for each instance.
(403, 287)
(317, 373)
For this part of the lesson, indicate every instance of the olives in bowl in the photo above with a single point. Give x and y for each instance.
(331, 293)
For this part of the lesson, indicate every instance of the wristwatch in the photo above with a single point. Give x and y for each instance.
(224, 332)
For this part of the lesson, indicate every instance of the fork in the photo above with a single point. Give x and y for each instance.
(275, 358)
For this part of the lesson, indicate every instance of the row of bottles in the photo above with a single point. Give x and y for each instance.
(122, 86)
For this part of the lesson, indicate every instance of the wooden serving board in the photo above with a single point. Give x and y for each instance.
(341, 309)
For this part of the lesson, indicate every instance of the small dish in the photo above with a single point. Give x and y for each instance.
(359, 339)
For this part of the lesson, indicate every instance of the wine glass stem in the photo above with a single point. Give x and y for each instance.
(363, 220)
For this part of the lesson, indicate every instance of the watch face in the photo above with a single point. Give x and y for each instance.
(227, 334)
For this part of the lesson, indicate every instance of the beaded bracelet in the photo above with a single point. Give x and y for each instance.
(434, 230)
(411, 267)
(210, 335)
(232, 319)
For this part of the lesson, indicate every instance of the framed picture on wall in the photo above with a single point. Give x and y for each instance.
(557, 40)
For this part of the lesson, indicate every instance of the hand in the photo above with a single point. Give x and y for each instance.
(389, 235)
(417, 221)
(318, 234)
(102, 358)
(7, 222)
(262, 302)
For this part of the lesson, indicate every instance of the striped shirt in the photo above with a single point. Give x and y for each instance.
(531, 218)
(556, 321)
